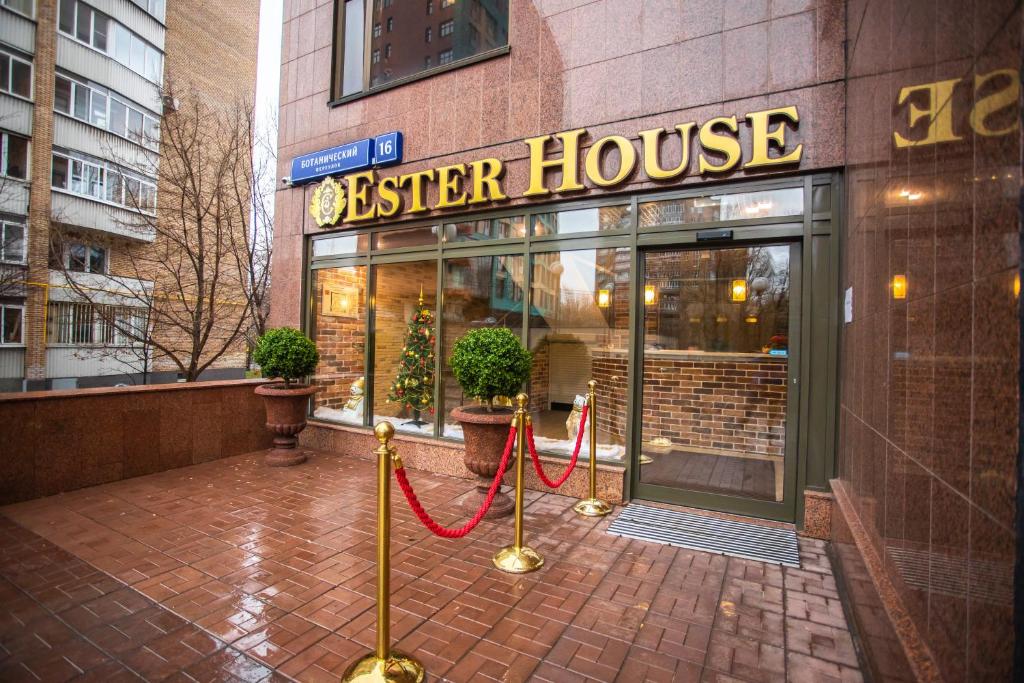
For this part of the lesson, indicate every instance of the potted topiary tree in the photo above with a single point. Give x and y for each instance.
(488, 362)
(286, 353)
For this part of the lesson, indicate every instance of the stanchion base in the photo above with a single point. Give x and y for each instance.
(518, 560)
(592, 507)
(397, 668)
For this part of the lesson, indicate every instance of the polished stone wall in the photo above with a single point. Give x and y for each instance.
(928, 443)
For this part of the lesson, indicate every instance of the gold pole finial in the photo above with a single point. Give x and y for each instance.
(421, 296)
(519, 558)
(592, 506)
(384, 431)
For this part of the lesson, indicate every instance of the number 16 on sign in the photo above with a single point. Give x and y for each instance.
(387, 149)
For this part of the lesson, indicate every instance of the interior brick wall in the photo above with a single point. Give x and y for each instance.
(339, 338)
(732, 405)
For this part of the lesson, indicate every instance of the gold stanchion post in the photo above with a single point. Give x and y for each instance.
(592, 506)
(518, 558)
(384, 665)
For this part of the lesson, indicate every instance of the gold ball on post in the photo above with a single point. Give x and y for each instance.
(384, 431)
(521, 400)
(592, 385)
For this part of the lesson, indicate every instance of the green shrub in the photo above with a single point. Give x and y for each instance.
(489, 362)
(286, 353)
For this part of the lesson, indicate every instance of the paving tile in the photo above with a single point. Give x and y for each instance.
(232, 571)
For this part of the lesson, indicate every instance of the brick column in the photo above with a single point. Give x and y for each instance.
(39, 194)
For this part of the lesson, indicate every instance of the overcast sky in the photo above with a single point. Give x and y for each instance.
(268, 66)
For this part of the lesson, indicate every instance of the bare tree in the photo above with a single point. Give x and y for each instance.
(199, 274)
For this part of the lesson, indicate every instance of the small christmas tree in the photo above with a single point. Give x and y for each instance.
(414, 385)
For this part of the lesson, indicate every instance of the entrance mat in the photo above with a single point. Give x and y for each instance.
(708, 534)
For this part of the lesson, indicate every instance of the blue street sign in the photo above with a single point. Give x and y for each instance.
(383, 150)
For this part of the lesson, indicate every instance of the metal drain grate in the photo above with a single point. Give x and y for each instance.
(709, 534)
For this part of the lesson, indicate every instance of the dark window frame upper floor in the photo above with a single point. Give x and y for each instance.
(344, 89)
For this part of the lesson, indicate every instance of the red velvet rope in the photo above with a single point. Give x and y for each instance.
(424, 517)
(575, 455)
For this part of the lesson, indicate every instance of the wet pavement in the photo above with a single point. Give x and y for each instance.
(231, 570)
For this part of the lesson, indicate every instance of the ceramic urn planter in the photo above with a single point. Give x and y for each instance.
(485, 435)
(286, 417)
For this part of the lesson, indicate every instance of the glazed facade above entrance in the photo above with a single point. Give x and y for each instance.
(706, 316)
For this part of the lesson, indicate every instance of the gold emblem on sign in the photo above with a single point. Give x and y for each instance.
(328, 202)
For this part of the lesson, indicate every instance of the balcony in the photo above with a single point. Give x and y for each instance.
(16, 114)
(90, 214)
(76, 135)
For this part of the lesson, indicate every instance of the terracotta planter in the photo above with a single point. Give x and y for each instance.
(286, 417)
(485, 435)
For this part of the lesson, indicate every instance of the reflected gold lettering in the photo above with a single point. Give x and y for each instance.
(939, 110)
(990, 104)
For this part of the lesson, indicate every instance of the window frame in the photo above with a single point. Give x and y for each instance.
(3, 320)
(110, 47)
(6, 87)
(4, 224)
(5, 137)
(338, 62)
(31, 8)
(105, 172)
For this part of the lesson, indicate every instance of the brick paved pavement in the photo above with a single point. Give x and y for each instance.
(234, 571)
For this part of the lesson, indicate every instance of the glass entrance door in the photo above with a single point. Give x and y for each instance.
(718, 391)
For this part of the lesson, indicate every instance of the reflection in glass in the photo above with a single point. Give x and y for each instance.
(579, 330)
(396, 296)
(338, 246)
(582, 220)
(715, 363)
(483, 291)
(486, 229)
(723, 207)
(339, 307)
(412, 237)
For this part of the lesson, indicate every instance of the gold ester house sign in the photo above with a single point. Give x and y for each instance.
(714, 147)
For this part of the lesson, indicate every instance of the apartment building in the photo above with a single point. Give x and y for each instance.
(82, 101)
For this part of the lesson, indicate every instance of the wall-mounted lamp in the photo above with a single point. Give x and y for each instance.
(909, 195)
(1016, 286)
(604, 298)
(752, 319)
(650, 294)
(720, 319)
(899, 286)
(738, 290)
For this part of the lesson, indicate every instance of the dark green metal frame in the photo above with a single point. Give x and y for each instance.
(814, 326)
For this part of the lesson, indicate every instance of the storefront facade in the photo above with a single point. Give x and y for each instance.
(755, 240)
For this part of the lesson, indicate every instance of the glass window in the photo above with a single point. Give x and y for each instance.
(76, 177)
(97, 260)
(66, 20)
(402, 59)
(118, 115)
(582, 220)
(352, 80)
(579, 330)
(5, 72)
(412, 237)
(483, 291)
(403, 372)
(94, 181)
(83, 23)
(21, 78)
(339, 297)
(132, 192)
(77, 258)
(153, 64)
(345, 244)
(147, 199)
(81, 99)
(135, 125)
(137, 60)
(115, 182)
(723, 207)
(152, 130)
(486, 229)
(122, 44)
(59, 174)
(12, 246)
(15, 161)
(62, 95)
(11, 324)
(22, 6)
(98, 115)
(100, 31)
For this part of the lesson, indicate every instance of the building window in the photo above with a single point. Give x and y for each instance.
(80, 21)
(13, 156)
(96, 106)
(447, 3)
(15, 75)
(430, 7)
(426, 62)
(103, 182)
(445, 57)
(77, 323)
(375, 57)
(387, 51)
(19, 6)
(155, 7)
(85, 258)
(10, 324)
(356, 29)
(12, 242)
